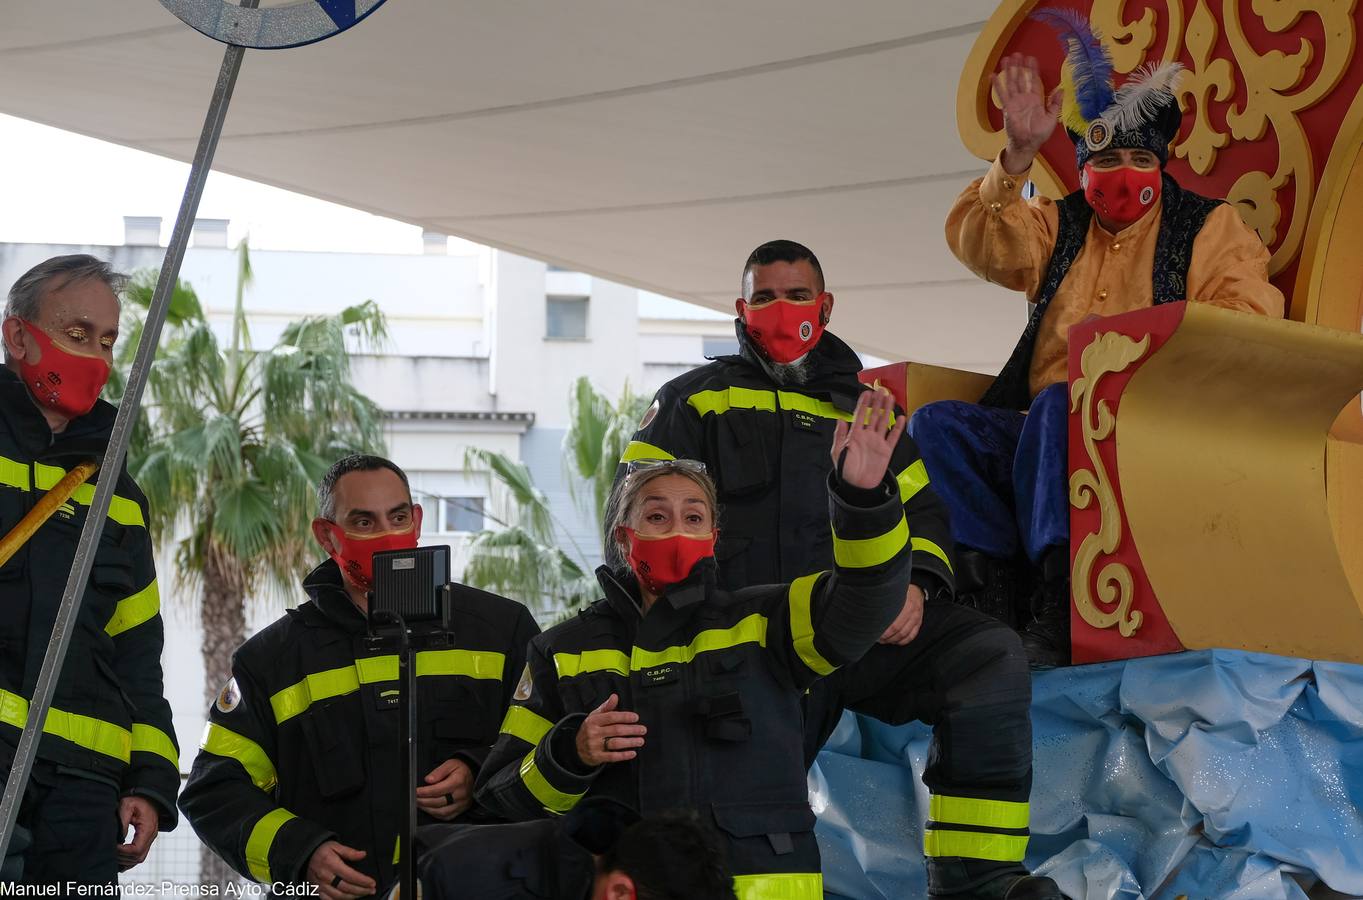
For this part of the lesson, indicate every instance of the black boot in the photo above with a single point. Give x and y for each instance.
(986, 881)
(1013, 887)
(990, 585)
(1046, 639)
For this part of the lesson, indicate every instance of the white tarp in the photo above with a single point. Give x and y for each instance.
(648, 142)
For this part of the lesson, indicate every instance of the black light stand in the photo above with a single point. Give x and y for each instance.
(410, 610)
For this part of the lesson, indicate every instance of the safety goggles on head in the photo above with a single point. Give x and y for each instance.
(694, 466)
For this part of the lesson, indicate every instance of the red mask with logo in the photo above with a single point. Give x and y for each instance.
(64, 381)
(660, 562)
(356, 556)
(785, 329)
(1121, 195)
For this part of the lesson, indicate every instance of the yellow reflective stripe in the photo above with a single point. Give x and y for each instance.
(974, 845)
(866, 552)
(147, 739)
(780, 886)
(222, 741)
(296, 698)
(526, 725)
(642, 450)
(93, 734)
(121, 509)
(926, 546)
(261, 840)
(318, 686)
(911, 481)
(552, 799)
(802, 624)
(973, 811)
(85, 731)
(374, 669)
(719, 402)
(821, 408)
(750, 630)
(134, 610)
(397, 850)
(13, 474)
(481, 664)
(570, 664)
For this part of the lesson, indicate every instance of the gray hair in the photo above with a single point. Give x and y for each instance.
(25, 297)
(625, 495)
(356, 462)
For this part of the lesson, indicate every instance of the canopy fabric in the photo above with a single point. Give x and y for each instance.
(647, 142)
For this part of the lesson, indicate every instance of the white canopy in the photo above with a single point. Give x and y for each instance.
(653, 143)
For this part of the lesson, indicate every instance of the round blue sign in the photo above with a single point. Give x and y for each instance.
(291, 25)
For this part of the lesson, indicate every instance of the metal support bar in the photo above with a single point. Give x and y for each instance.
(118, 445)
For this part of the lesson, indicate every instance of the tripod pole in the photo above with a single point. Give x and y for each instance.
(408, 710)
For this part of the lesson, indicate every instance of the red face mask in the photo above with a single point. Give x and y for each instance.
(64, 381)
(660, 562)
(785, 329)
(1121, 195)
(356, 557)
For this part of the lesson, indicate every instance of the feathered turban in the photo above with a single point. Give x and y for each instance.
(1143, 113)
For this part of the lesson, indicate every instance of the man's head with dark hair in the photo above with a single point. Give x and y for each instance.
(666, 856)
(356, 462)
(784, 307)
(360, 500)
(779, 251)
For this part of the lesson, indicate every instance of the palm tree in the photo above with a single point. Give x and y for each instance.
(231, 449)
(522, 558)
(598, 432)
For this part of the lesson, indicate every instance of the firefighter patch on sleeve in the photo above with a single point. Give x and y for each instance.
(523, 688)
(229, 698)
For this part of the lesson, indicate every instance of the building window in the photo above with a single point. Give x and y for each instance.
(461, 514)
(566, 317)
(718, 346)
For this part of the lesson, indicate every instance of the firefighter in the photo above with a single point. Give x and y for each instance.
(762, 422)
(108, 758)
(601, 850)
(673, 692)
(298, 775)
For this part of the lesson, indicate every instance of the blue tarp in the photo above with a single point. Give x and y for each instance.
(1209, 774)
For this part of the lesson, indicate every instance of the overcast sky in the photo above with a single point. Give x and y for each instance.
(59, 187)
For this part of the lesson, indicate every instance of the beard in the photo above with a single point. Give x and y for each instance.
(790, 373)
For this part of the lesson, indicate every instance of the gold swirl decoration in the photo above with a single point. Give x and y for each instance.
(1107, 353)
(1272, 99)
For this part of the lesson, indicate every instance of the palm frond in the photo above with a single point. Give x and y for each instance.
(532, 506)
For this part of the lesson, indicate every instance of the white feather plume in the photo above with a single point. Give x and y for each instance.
(1140, 98)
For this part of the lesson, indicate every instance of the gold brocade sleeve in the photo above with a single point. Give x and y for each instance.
(1230, 267)
(1001, 237)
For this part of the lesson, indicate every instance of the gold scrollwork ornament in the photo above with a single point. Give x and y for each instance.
(1268, 105)
(1108, 353)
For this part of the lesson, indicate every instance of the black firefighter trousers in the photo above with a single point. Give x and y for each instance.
(965, 675)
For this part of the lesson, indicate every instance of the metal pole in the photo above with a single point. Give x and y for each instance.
(118, 444)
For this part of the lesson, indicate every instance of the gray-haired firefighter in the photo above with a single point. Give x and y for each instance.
(107, 759)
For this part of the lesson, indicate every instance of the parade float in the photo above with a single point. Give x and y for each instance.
(1208, 743)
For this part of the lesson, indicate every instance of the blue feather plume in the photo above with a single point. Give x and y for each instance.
(1089, 62)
